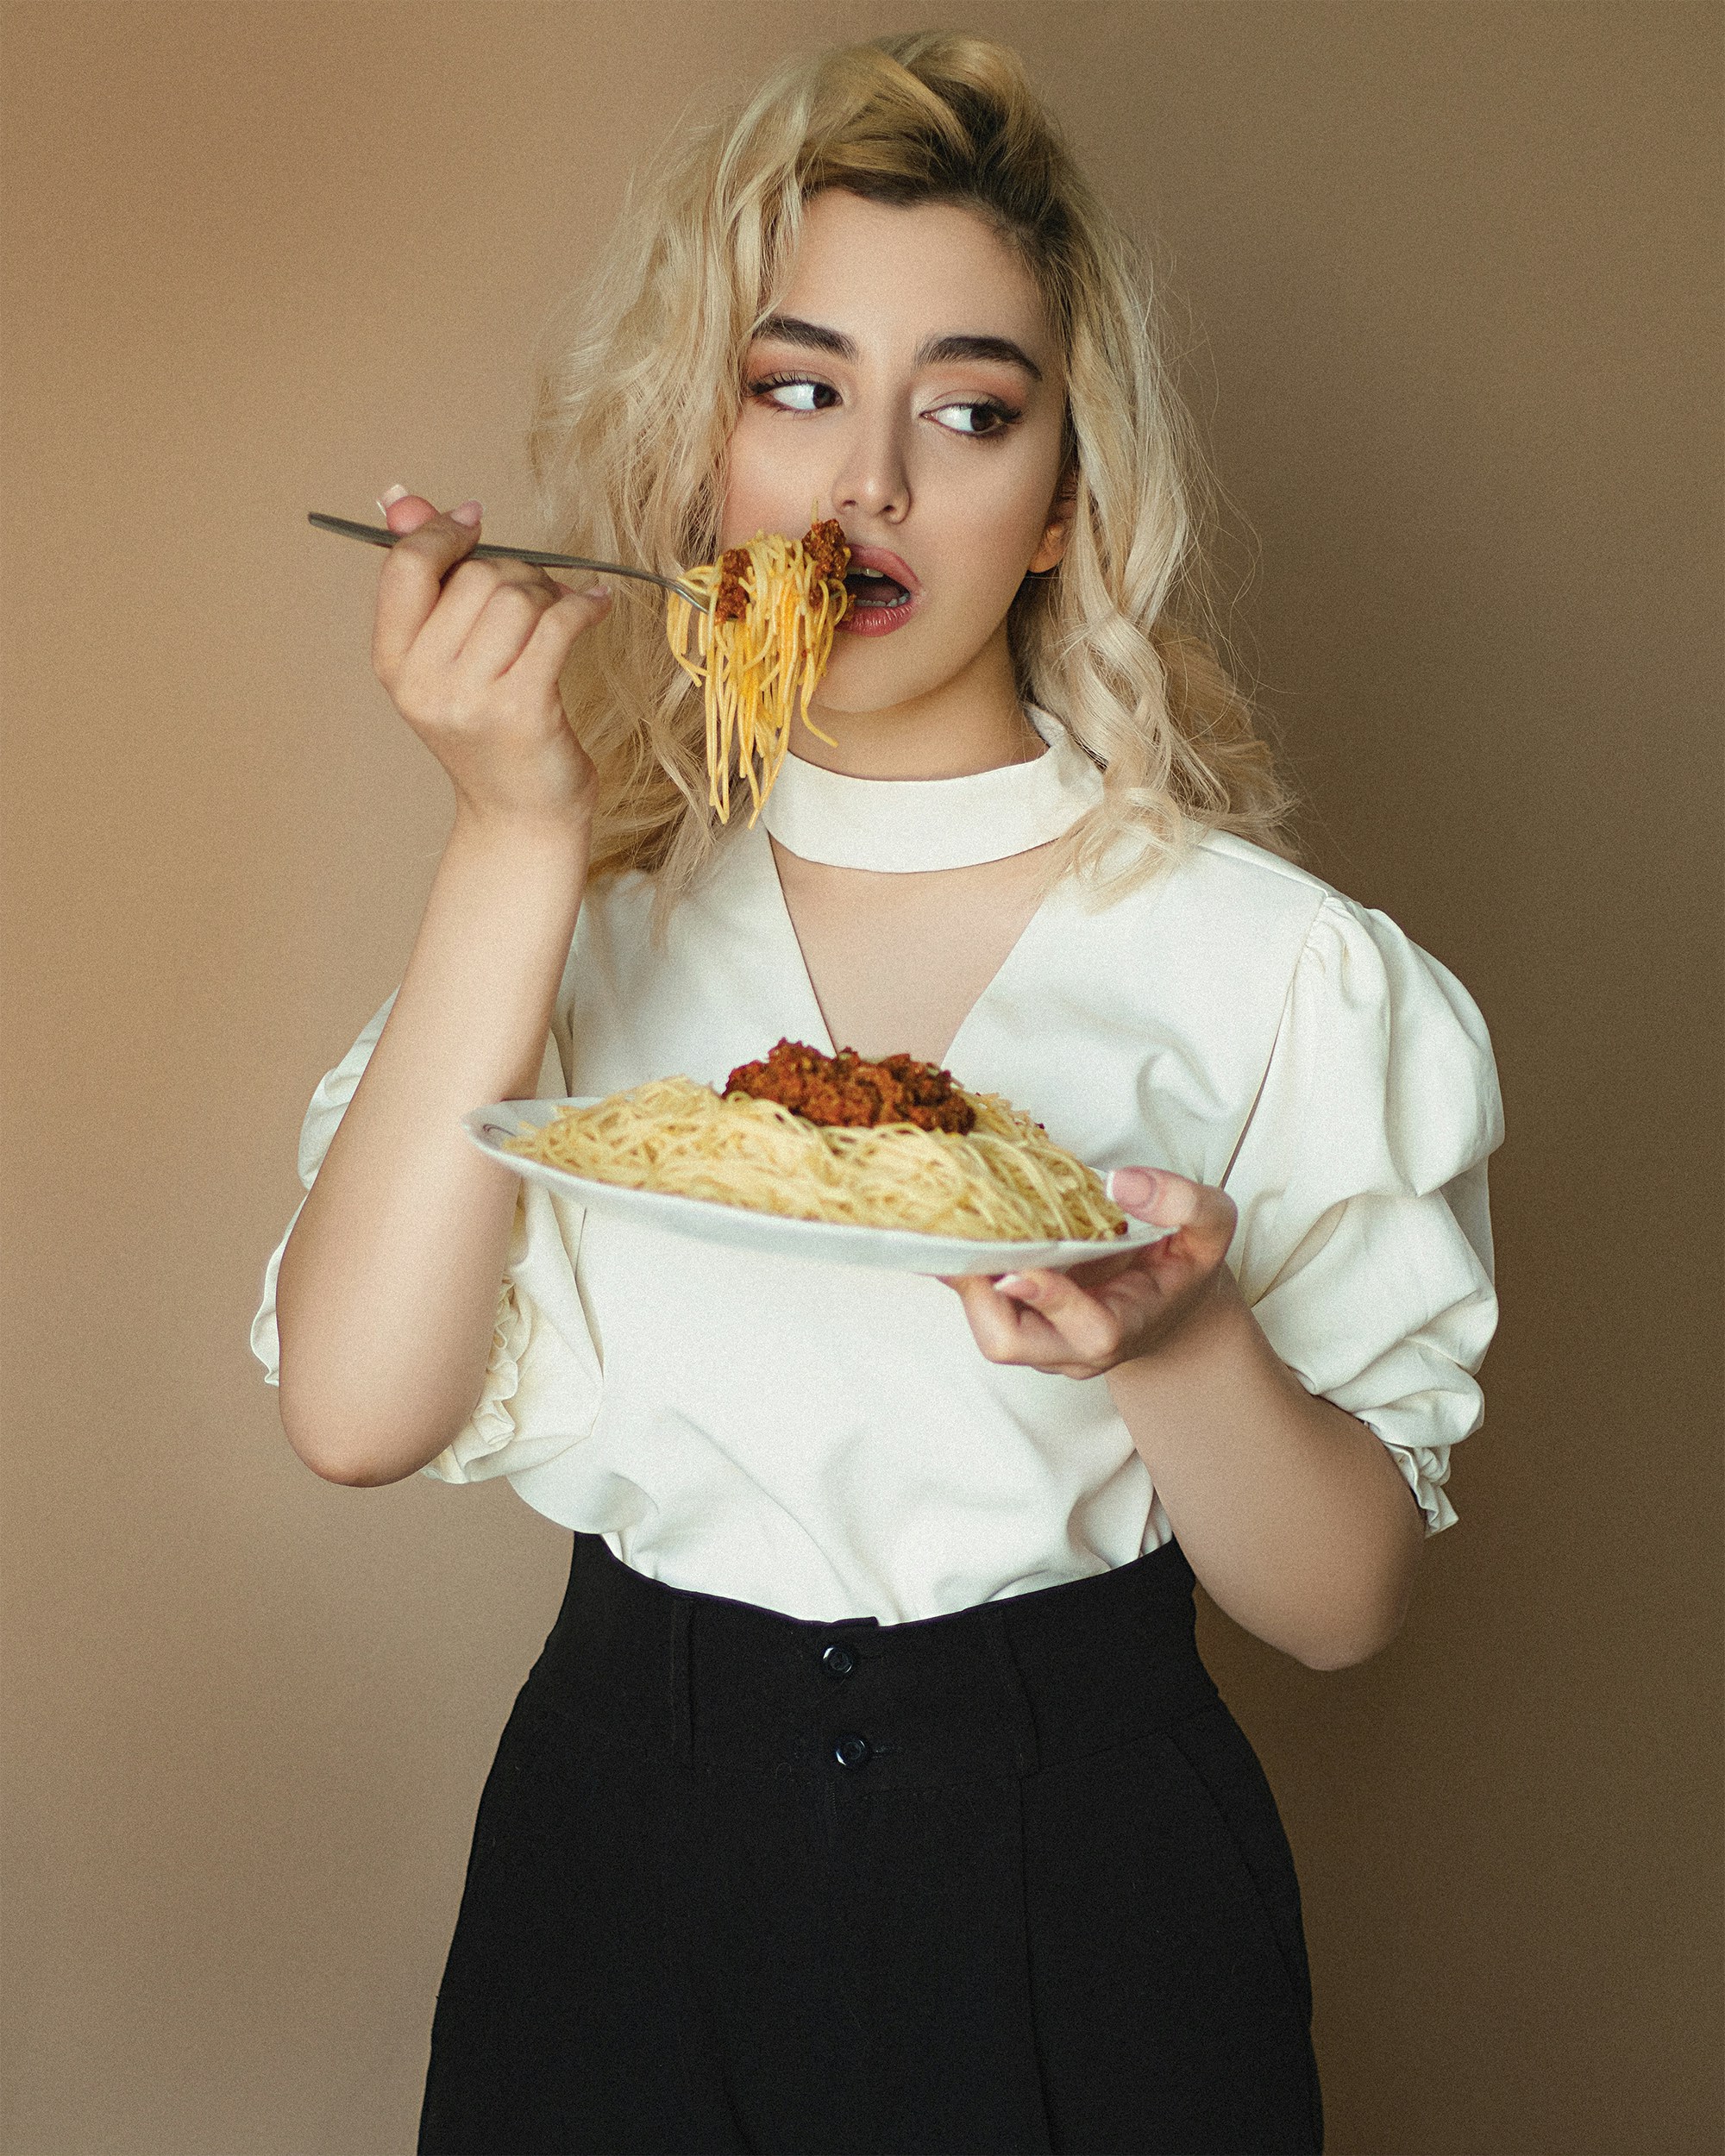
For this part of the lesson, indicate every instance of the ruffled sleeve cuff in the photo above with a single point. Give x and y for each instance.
(328, 1104)
(1425, 1469)
(472, 1455)
(265, 1340)
(542, 1380)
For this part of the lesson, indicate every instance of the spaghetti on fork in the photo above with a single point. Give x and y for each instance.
(762, 644)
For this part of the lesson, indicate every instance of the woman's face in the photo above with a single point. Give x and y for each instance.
(909, 385)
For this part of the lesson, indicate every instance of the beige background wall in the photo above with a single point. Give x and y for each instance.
(1454, 271)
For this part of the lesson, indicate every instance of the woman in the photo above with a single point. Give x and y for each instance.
(869, 1793)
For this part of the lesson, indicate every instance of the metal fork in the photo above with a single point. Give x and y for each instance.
(379, 536)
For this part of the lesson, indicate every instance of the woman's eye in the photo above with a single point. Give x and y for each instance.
(791, 392)
(976, 416)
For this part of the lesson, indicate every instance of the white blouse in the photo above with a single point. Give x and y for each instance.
(829, 1441)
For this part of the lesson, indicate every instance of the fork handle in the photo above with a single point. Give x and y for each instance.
(379, 536)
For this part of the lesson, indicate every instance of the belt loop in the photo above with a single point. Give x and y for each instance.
(999, 1637)
(683, 1708)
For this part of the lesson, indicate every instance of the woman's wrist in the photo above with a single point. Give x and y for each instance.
(1215, 1325)
(551, 836)
(1217, 1353)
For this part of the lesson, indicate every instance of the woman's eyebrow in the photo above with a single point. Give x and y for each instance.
(815, 336)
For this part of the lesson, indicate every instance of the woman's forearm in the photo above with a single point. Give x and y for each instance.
(388, 1287)
(1290, 1512)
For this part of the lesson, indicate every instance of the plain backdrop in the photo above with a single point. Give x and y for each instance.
(1449, 276)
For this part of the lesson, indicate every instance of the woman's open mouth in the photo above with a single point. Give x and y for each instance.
(883, 591)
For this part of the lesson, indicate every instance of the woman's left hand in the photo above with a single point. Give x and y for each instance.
(1083, 1323)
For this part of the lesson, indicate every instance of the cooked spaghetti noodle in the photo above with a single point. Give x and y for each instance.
(1005, 1182)
(761, 645)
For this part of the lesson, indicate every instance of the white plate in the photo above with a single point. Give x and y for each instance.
(818, 1242)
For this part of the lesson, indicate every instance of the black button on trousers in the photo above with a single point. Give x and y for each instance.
(1006, 1880)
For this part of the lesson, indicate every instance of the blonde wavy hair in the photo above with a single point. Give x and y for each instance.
(636, 406)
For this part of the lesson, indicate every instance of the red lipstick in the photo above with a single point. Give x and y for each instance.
(879, 617)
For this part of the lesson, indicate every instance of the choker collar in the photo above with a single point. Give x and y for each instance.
(900, 825)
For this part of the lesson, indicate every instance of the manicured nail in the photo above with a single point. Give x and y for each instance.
(469, 513)
(390, 496)
(1132, 1186)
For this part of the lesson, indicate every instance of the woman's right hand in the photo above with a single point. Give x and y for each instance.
(470, 653)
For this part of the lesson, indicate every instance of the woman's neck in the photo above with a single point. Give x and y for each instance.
(973, 722)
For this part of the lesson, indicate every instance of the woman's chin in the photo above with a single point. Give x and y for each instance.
(852, 692)
(867, 675)
(854, 705)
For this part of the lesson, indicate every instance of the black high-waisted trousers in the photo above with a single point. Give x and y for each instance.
(1006, 1880)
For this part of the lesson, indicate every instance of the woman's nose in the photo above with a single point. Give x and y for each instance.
(874, 475)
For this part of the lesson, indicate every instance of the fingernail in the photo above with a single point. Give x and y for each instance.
(1017, 1284)
(1132, 1186)
(390, 496)
(469, 513)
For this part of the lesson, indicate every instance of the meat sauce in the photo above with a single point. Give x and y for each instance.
(846, 1091)
(825, 547)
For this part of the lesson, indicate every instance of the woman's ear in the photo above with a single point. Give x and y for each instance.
(1058, 530)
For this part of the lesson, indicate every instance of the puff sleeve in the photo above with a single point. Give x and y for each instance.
(542, 1380)
(1365, 1245)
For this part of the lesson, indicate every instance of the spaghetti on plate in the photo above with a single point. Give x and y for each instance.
(947, 1162)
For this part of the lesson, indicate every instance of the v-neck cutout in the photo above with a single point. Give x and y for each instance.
(1026, 934)
(883, 830)
(792, 967)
